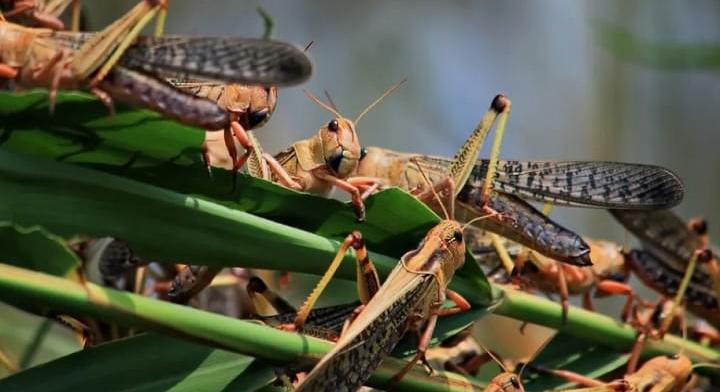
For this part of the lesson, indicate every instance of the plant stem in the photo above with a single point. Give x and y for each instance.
(594, 327)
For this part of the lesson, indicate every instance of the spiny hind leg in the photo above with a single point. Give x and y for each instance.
(367, 276)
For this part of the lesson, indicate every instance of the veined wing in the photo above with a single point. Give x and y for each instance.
(587, 183)
(209, 59)
(667, 237)
(234, 60)
(372, 335)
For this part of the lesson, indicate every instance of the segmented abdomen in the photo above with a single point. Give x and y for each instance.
(526, 225)
(353, 364)
(137, 89)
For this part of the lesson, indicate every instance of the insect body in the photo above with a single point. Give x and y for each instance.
(62, 60)
(531, 228)
(593, 184)
(668, 244)
(411, 296)
(327, 160)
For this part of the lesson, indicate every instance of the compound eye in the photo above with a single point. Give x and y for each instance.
(333, 126)
(363, 153)
(258, 117)
(457, 236)
(515, 383)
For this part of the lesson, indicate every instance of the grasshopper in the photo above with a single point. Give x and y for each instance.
(668, 244)
(594, 184)
(411, 298)
(61, 60)
(328, 159)
(43, 13)
(659, 374)
(46, 13)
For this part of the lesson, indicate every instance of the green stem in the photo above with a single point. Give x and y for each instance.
(594, 327)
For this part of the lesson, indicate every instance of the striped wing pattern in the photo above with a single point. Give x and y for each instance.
(587, 183)
(234, 60)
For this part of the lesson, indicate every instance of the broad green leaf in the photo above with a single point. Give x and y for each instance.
(168, 226)
(245, 337)
(34, 248)
(140, 145)
(29, 340)
(147, 362)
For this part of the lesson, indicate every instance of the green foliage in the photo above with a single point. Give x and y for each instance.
(139, 177)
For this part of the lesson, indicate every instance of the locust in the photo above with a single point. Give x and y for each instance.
(570, 183)
(671, 373)
(46, 13)
(411, 298)
(115, 65)
(328, 159)
(668, 245)
(660, 229)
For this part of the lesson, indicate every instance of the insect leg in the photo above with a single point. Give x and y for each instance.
(570, 376)
(257, 289)
(461, 304)
(354, 192)
(354, 240)
(190, 281)
(112, 42)
(422, 346)
(464, 160)
(7, 72)
(282, 175)
(75, 19)
(504, 109)
(617, 288)
(563, 290)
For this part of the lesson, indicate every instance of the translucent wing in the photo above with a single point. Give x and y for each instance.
(232, 60)
(587, 183)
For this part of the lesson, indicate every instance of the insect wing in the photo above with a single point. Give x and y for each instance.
(232, 60)
(587, 183)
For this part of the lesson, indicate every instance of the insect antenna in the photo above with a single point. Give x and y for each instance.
(330, 100)
(377, 101)
(307, 47)
(532, 358)
(432, 188)
(322, 104)
(493, 357)
(479, 218)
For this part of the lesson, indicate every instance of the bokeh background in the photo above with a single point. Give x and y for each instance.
(613, 80)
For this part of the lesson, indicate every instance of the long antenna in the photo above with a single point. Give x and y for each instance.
(330, 100)
(385, 94)
(432, 188)
(322, 104)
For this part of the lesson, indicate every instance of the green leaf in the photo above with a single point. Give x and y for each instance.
(179, 227)
(28, 340)
(36, 249)
(147, 362)
(573, 354)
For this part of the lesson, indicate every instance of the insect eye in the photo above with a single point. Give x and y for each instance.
(457, 236)
(363, 153)
(333, 126)
(258, 117)
(515, 383)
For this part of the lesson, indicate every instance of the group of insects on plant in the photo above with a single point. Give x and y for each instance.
(228, 86)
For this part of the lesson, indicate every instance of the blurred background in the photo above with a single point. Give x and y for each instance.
(623, 81)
